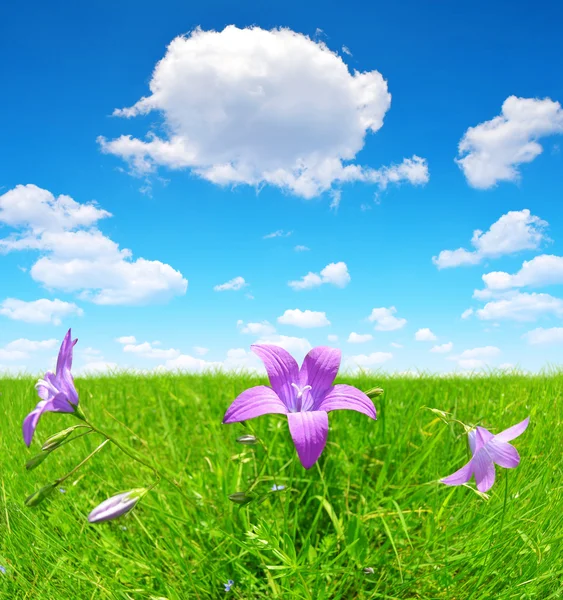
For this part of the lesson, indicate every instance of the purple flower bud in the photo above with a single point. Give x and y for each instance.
(116, 506)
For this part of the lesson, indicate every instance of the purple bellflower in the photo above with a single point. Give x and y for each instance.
(487, 450)
(116, 506)
(57, 391)
(305, 395)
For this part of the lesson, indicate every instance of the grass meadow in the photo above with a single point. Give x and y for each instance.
(373, 500)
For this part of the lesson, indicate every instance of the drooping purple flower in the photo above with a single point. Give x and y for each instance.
(56, 390)
(116, 506)
(487, 450)
(305, 395)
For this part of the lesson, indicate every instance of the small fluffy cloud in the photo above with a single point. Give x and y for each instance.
(148, 350)
(334, 274)
(262, 328)
(332, 338)
(442, 348)
(476, 358)
(24, 345)
(306, 319)
(467, 313)
(359, 338)
(424, 335)
(513, 232)
(278, 233)
(96, 367)
(396, 345)
(299, 248)
(250, 106)
(546, 269)
(521, 307)
(494, 150)
(367, 361)
(126, 339)
(385, 320)
(554, 335)
(233, 285)
(77, 257)
(39, 311)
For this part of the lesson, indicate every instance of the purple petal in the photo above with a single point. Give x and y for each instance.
(30, 422)
(254, 402)
(282, 370)
(45, 389)
(64, 360)
(309, 431)
(484, 470)
(513, 432)
(462, 475)
(482, 436)
(503, 454)
(319, 369)
(115, 506)
(66, 384)
(60, 403)
(343, 396)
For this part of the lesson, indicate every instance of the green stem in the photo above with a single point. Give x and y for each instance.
(59, 481)
(127, 451)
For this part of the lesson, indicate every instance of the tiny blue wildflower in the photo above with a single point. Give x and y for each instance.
(62, 490)
(228, 585)
(277, 488)
(2, 570)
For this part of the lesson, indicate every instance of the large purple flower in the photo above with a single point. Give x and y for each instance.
(57, 391)
(487, 450)
(305, 395)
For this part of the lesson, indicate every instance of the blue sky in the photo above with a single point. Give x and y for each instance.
(340, 131)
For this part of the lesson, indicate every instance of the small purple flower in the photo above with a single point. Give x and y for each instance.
(57, 391)
(487, 450)
(305, 395)
(228, 585)
(62, 490)
(278, 488)
(2, 570)
(116, 506)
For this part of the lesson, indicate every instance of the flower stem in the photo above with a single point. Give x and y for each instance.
(141, 461)
(60, 480)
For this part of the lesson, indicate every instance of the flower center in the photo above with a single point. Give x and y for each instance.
(301, 390)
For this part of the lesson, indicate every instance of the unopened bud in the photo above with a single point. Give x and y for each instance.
(116, 506)
(57, 439)
(374, 392)
(247, 440)
(40, 495)
(240, 498)
(36, 460)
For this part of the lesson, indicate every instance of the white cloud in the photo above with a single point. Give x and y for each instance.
(384, 319)
(233, 285)
(126, 339)
(200, 350)
(39, 311)
(24, 345)
(262, 328)
(359, 338)
(278, 233)
(513, 232)
(467, 313)
(299, 248)
(147, 350)
(306, 319)
(367, 361)
(298, 347)
(442, 348)
(96, 367)
(395, 345)
(12, 354)
(249, 106)
(546, 269)
(424, 335)
(493, 150)
(334, 273)
(76, 257)
(521, 307)
(476, 358)
(332, 338)
(554, 335)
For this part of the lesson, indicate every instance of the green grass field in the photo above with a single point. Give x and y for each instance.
(372, 500)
